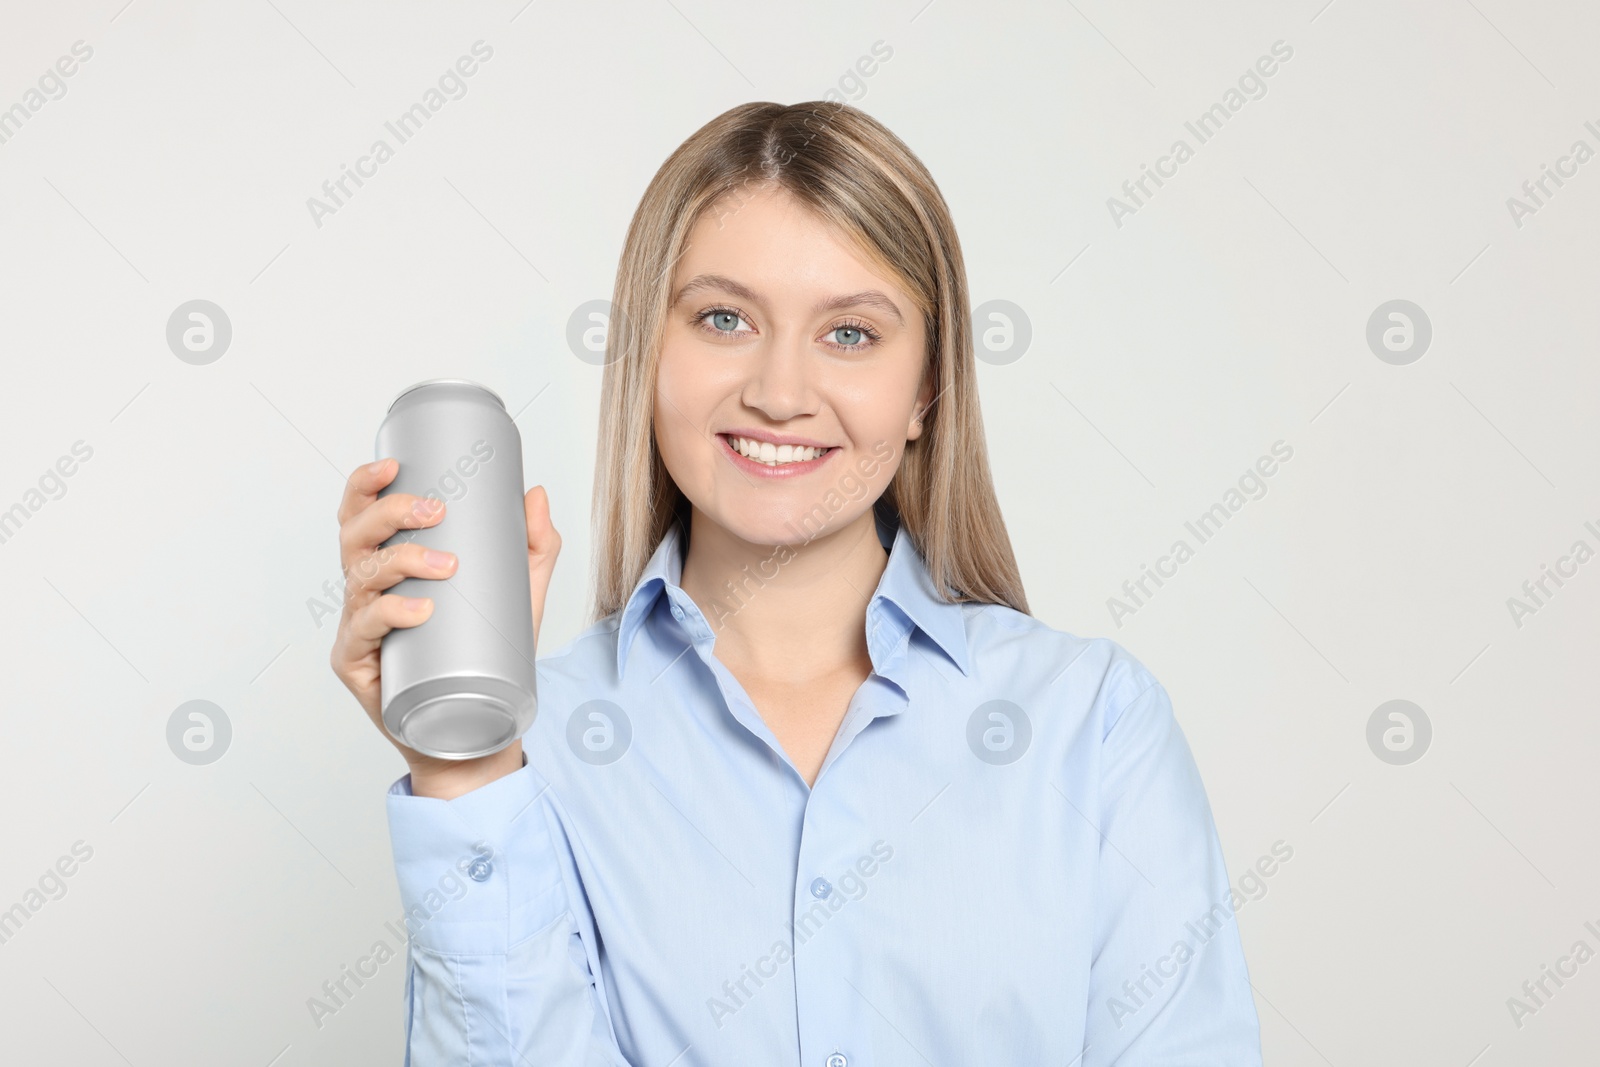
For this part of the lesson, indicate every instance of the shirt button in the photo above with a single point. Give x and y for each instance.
(677, 612)
(837, 1060)
(479, 869)
(820, 889)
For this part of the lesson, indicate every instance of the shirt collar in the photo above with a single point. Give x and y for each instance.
(906, 597)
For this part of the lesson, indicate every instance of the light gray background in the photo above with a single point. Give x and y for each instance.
(1167, 355)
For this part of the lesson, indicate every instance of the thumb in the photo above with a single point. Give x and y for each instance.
(544, 545)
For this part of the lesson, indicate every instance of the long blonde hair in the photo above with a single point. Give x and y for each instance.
(858, 176)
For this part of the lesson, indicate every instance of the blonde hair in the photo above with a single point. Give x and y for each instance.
(855, 174)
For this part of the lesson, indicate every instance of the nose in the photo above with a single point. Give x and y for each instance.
(780, 384)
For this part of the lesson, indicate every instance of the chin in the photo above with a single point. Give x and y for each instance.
(794, 524)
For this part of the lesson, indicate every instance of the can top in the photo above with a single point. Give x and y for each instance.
(446, 381)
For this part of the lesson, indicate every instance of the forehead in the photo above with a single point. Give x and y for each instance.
(778, 246)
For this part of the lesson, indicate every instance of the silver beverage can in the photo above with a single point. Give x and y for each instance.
(461, 683)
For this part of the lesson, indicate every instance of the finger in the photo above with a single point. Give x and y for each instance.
(368, 623)
(544, 545)
(381, 569)
(361, 488)
(363, 532)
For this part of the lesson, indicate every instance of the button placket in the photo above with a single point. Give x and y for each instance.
(833, 1026)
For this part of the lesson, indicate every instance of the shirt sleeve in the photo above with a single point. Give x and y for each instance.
(501, 964)
(1168, 983)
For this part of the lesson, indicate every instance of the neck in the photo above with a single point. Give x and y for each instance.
(786, 611)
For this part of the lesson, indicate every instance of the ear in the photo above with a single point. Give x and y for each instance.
(919, 413)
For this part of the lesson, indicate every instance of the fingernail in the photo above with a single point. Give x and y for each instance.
(415, 603)
(434, 558)
(376, 468)
(427, 506)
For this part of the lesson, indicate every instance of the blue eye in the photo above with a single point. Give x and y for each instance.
(846, 335)
(723, 320)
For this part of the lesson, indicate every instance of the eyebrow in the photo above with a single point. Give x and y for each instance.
(866, 298)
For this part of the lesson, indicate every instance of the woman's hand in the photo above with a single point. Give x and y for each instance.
(365, 522)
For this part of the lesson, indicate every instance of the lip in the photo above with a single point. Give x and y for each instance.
(761, 470)
(775, 438)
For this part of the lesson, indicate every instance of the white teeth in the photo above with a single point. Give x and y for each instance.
(773, 455)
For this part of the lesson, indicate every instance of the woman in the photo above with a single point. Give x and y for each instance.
(814, 789)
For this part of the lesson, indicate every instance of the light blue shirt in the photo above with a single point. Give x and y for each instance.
(1007, 860)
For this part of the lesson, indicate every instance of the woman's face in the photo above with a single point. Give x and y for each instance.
(791, 373)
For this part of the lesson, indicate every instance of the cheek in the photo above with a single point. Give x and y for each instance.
(672, 438)
(877, 409)
(682, 408)
(686, 379)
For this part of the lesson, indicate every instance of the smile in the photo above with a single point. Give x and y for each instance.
(766, 458)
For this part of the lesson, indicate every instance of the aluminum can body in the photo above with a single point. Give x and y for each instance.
(461, 683)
